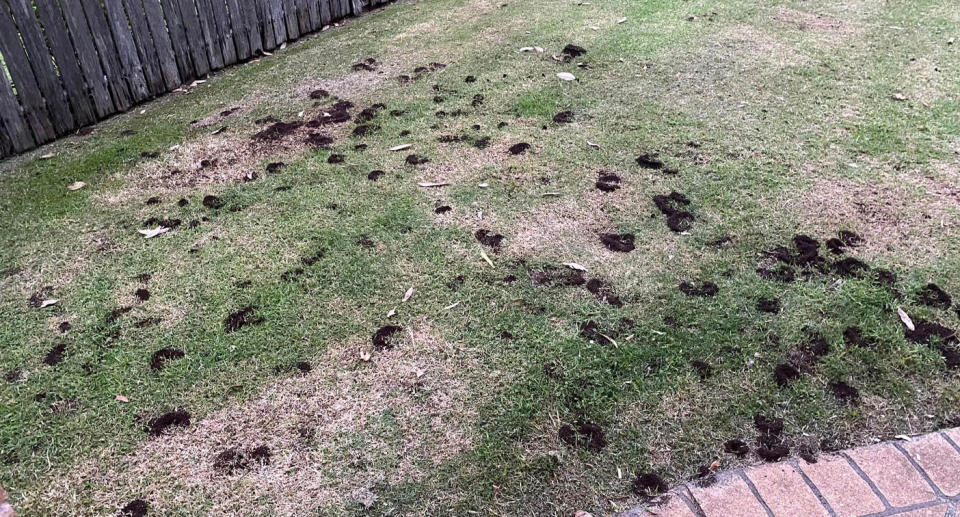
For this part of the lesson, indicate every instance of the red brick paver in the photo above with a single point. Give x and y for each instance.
(893, 474)
(933, 511)
(674, 506)
(5, 509)
(785, 491)
(728, 497)
(939, 460)
(846, 492)
(915, 478)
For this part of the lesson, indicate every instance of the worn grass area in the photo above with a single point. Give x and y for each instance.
(778, 118)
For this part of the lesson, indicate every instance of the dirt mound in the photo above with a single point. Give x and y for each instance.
(243, 317)
(621, 242)
(159, 358)
(159, 425)
(706, 289)
(649, 484)
(608, 182)
(587, 435)
(383, 338)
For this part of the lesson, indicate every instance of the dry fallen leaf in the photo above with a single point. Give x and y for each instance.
(48, 303)
(408, 294)
(574, 265)
(483, 254)
(452, 305)
(427, 184)
(392, 313)
(149, 234)
(365, 356)
(581, 513)
(566, 76)
(174, 147)
(218, 131)
(400, 147)
(47, 156)
(77, 185)
(905, 318)
(621, 20)
(121, 398)
(591, 144)
(898, 96)
(483, 185)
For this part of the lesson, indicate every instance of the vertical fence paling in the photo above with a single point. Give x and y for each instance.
(64, 64)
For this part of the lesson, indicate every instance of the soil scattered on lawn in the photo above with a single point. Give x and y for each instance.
(493, 240)
(384, 337)
(706, 289)
(736, 446)
(608, 182)
(159, 425)
(571, 51)
(158, 360)
(844, 392)
(931, 295)
(520, 148)
(241, 318)
(649, 484)
(587, 435)
(135, 508)
(768, 305)
(622, 242)
(375, 175)
(648, 161)
(234, 459)
(564, 117)
(55, 355)
(785, 374)
(212, 202)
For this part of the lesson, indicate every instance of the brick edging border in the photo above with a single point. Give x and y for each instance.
(919, 477)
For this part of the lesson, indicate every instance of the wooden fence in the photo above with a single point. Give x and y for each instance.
(65, 64)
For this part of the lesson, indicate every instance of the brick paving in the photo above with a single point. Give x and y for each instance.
(916, 478)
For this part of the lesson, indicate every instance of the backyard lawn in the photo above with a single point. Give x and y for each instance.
(474, 257)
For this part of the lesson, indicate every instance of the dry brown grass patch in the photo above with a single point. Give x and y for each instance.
(894, 216)
(824, 28)
(335, 435)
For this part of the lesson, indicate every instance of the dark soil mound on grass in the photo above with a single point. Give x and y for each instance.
(932, 296)
(706, 289)
(564, 117)
(55, 355)
(736, 446)
(159, 425)
(785, 374)
(520, 148)
(241, 318)
(608, 182)
(159, 358)
(587, 435)
(844, 393)
(622, 242)
(768, 305)
(647, 161)
(276, 131)
(135, 508)
(571, 51)
(649, 484)
(493, 240)
(384, 336)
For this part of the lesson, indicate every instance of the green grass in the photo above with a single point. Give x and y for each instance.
(756, 114)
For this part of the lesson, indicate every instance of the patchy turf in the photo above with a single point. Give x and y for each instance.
(401, 268)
